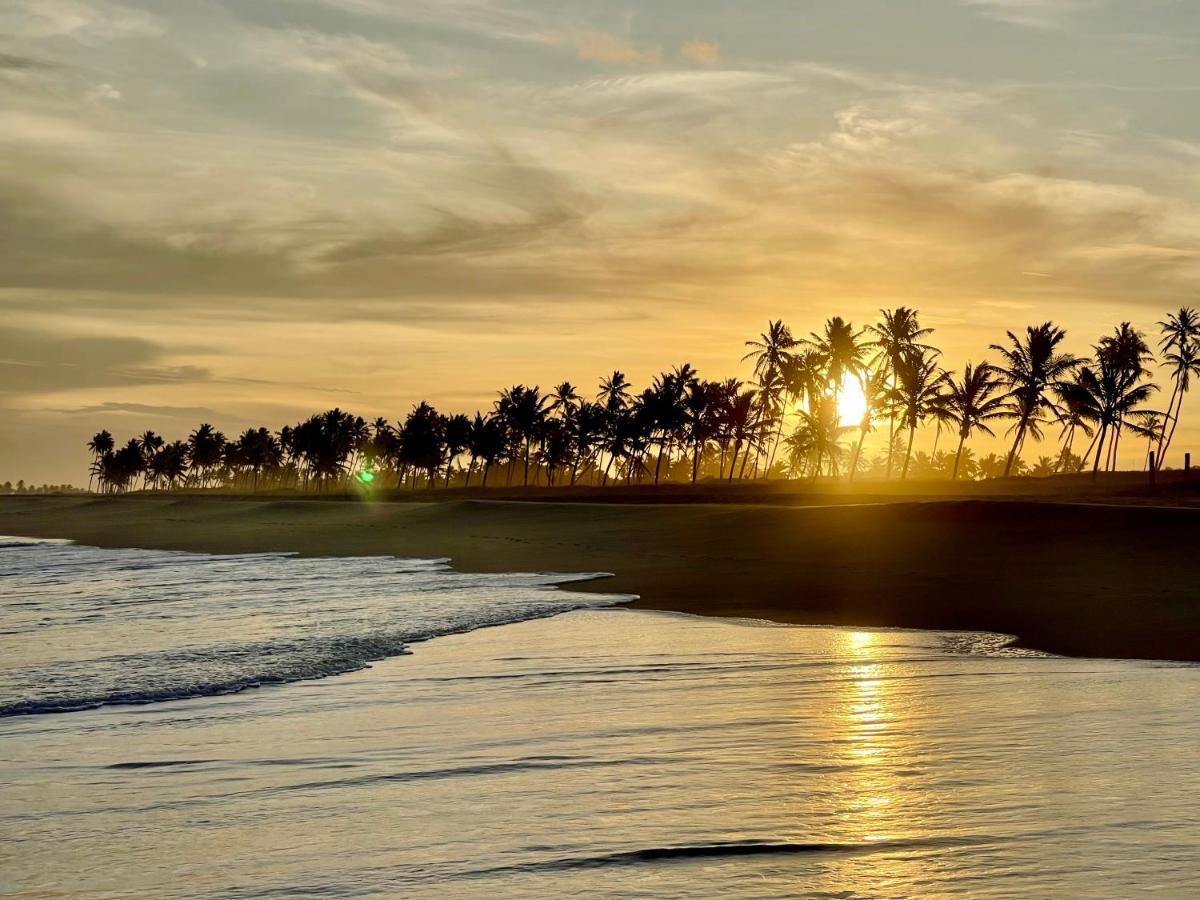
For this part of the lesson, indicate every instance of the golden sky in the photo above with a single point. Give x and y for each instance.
(246, 211)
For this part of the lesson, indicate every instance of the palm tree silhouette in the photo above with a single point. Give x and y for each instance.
(1032, 366)
(100, 446)
(524, 412)
(971, 403)
(920, 384)
(876, 399)
(1180, 345)
(898, 334)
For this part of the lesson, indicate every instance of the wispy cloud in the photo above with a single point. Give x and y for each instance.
(705, 52)
(593, 45)
(1044, 14)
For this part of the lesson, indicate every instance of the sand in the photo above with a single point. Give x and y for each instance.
(1076, 579)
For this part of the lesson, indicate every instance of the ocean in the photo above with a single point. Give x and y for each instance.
(183, 725)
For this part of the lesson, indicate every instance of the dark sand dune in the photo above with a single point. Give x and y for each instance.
(1089, 580)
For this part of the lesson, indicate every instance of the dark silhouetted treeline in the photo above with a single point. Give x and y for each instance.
(807, 412)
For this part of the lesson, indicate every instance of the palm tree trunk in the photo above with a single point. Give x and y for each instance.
(912, 431)
(1099, 442)
(1068, 442)
(862, 434)
(1174, 424)
(962, 439)
(1012, 454)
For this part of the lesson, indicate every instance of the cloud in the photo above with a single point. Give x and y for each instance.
(34, 362)
(704, 52)
(1042, 14)
(139, 410)
(23, 63)
(594, 45)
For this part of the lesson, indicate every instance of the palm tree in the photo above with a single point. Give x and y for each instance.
(920, 384)
(614, 391)
(1071, 412)
(523, 410)
(1180, 345)
(840, 350)
(876, 399)
(100, 446)
(772, 350)
(488, 442)
(971, 403)
(206, 448)
(899, 333)
(149, 443)
(456, 434)
(563, 399)
(1032, 366)
(1108, 396)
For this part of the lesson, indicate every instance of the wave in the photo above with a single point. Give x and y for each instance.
(717, 850)
(87, 627)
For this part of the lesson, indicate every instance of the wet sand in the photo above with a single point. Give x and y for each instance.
(1083, 580)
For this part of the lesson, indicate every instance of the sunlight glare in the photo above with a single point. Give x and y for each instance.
(852, 404)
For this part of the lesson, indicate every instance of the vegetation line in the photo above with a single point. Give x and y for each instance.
(806, 413)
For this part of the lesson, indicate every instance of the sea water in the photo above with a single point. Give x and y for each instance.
(600, 752)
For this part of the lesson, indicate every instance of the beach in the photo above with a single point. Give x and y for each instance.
(1082, 579)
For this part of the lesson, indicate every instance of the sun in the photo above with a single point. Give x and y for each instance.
(852, 404)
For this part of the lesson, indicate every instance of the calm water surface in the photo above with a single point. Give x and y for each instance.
(596, 753)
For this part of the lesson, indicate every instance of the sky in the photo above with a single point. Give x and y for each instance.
(246, 211)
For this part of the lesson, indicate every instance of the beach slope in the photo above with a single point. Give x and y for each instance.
(1082, 580)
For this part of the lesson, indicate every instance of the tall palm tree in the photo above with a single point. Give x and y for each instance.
(524, 411)
(920, 384)
(100, 445)
(898, 333)
(876, 400)
(1180, 345)
(1032, 366)
(840, 349)
(1106, 395)
(149, 442)
(456, 435)
(206, 448)
(772, 350)
(971, 403)
(614, 391)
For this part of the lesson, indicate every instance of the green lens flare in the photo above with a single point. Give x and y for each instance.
(366, 477)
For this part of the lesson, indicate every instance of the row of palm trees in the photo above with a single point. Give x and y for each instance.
(807, 411)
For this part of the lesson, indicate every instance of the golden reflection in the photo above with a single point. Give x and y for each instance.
(867, 719)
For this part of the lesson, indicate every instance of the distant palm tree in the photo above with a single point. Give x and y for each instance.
(100, 445)
(206, 448)
(920, 384)
(524, 412)
(876, 400)
(614, 391)
(563, 399)
(1108, 396)
(149, 443)
(1180, 346)
(1032, 366)
(839, 348)
(456, 435)
(898, 333)
(771, 351)
(971, 403)
(488, 443)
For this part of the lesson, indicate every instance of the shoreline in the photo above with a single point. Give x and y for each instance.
(1115, 581)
